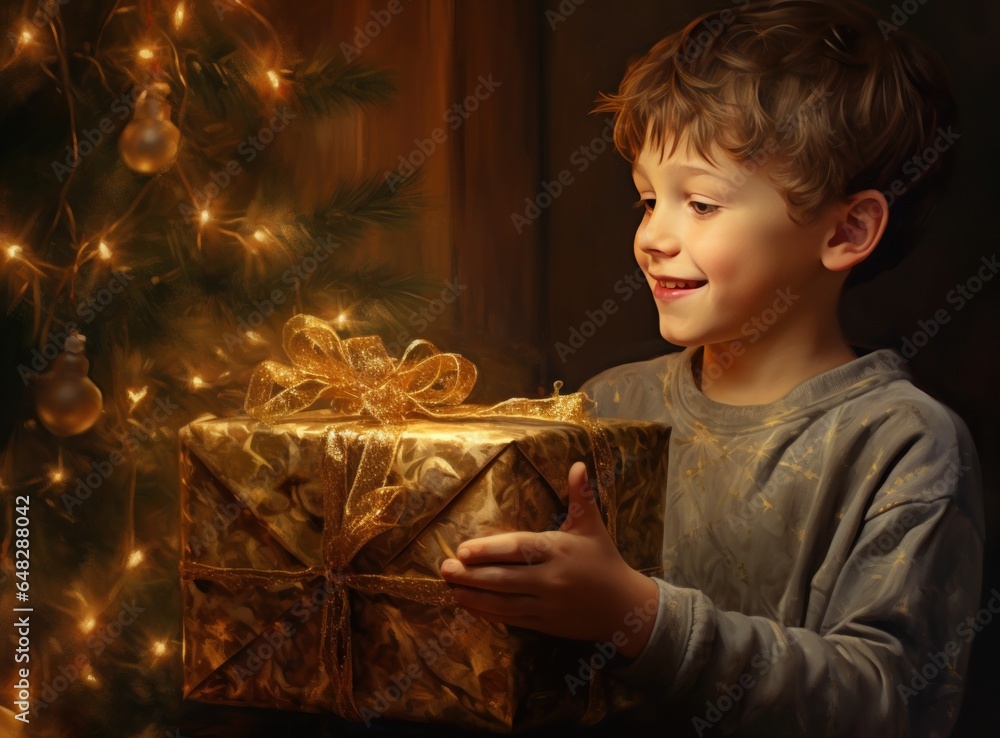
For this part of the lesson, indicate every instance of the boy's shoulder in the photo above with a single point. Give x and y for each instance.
(892, 400)
(637, 390)
(919, 447)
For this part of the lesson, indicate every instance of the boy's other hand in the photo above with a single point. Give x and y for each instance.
(571, 582)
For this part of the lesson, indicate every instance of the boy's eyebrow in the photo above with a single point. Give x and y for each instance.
(700, 170)
(686, 168)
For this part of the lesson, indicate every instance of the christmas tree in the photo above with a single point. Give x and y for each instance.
(151, 248)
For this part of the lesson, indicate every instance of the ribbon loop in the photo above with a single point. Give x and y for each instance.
(358, 373)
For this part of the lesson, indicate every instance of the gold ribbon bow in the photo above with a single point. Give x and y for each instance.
(358, 373)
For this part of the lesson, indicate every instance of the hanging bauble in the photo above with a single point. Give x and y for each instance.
(68, 403)
(150, 141)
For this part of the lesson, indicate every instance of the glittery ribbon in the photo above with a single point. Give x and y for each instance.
(360, 378)
(352, 517)
(356, 372)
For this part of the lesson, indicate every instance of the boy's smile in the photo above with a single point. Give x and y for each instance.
(671, 288)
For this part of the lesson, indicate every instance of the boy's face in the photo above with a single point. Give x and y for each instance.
(720, 252)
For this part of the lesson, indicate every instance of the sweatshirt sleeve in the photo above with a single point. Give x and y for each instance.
(885, 644)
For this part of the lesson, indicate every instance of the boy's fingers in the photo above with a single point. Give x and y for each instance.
(509, 579)
(578, 475)
(583, 515)
(521, 622)
(506, 607)
(520, 547)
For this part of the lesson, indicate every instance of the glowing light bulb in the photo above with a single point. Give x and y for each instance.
(260, 235)
(205, 216)
(56, 476)
(274, 78)
(179, 15)
(134, 559)
(145, 54)
(14, 251)
(135, 395)
(87, 624)
(254, 336)
(26, 37)
(197, 382)
(342, 318)
(159, 648)
(103, 251)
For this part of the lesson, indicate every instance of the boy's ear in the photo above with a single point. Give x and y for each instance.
(859, 223)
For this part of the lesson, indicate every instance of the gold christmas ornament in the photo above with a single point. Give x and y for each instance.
(68, 403)
(150, 141)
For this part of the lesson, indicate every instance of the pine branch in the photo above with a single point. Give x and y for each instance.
(324, 85)
(374, 300)
(344, 218)
(222, 88)
(367, 202)
(387, 298)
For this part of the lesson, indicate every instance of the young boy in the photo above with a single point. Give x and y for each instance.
(823, 519)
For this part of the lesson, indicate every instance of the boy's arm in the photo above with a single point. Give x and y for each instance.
(886, 660)
(886, 642)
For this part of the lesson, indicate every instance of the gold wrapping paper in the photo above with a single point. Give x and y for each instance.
(304, 589)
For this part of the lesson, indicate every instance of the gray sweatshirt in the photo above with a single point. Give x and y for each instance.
(822, 554)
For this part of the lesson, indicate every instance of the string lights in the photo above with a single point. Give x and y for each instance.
(135, 396)
(134, 559)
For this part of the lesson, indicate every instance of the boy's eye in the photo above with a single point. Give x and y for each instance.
(647, 204)
(703, 208)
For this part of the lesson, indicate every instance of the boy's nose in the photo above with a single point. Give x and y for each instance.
(657, 238)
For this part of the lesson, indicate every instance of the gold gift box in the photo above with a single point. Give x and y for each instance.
(299, 596)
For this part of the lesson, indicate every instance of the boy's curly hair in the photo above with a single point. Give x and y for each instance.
(833, 99)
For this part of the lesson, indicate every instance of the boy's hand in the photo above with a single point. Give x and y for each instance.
(571, 582)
